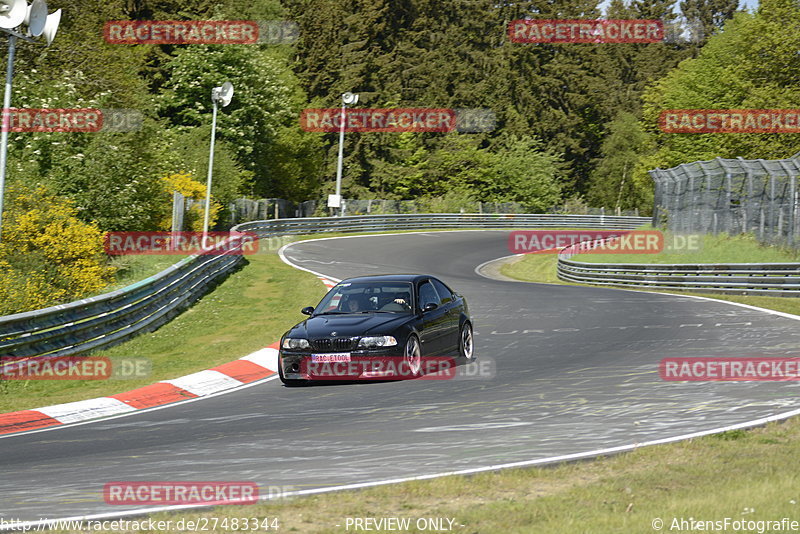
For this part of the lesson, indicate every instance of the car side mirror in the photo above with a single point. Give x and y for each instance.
(429, 307)
(308, 310)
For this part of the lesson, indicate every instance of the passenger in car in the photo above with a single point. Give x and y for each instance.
(355, 303)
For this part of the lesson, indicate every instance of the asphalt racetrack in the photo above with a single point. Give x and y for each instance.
(570, 369)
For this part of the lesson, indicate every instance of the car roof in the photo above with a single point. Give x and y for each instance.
(390, 278)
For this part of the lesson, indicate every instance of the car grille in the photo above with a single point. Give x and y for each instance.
(336, 344)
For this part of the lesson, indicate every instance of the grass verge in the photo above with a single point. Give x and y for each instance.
(133, 268)
(719, 248)
(715, 249)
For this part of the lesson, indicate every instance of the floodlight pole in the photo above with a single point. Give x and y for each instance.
(347, 98)
(6, 123)
(214, 98)
(339, 161)
(39, 23)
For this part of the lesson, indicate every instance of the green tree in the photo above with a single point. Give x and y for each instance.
(459, 162)
(187, 151)
(515, 169)
(527, 172)
(110, 176)
(612, 181)
(752, 64)
(264, 108)
(401, 174)
(114, 182)
(709, 16)
(432, 53)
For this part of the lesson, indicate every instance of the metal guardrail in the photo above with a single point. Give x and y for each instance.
(378, 223)
(105, 320)
(108, 319)
(776, 279)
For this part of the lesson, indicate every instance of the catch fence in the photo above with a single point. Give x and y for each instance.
(734, 196)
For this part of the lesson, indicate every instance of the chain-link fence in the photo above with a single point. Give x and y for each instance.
(733, 196)
(244, 210)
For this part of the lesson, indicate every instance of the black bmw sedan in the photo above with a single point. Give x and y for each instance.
(379, 327)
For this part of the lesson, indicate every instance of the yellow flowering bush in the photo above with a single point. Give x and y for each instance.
(185, 184)
(47, 255)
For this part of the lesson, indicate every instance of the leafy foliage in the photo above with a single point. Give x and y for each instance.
(258, 122)
(186, 151)
(612, 181)
(185, 184)
(47, 255)
(416, 53)
(752, 64)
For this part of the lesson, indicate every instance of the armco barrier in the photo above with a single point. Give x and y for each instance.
(387, 223)
(776, 279)
(105, 320)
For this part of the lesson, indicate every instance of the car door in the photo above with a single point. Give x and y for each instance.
(450, 331)
(433, 321)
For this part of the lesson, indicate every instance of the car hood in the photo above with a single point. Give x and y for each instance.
(349, 325)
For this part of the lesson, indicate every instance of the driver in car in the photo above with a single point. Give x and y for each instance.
(357, 303)
(353, 304)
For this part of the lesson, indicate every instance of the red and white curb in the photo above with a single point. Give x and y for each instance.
(256, 366)
(328, 282)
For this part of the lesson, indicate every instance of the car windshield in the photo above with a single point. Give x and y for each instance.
(367, 297)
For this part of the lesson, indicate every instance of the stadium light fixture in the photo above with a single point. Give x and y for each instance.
(14, 14)
(219, 95)
(351, 99)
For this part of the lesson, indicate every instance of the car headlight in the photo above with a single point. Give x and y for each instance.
(372, 342)
(295, 343)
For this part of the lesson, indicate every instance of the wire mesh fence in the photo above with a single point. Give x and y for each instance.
(244, 210)
(734, 196)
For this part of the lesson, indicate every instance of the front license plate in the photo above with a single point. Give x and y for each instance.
(331, 358)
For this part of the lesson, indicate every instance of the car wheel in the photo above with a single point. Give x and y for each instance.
(289, 382)
(466, 348)
(413, 356)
